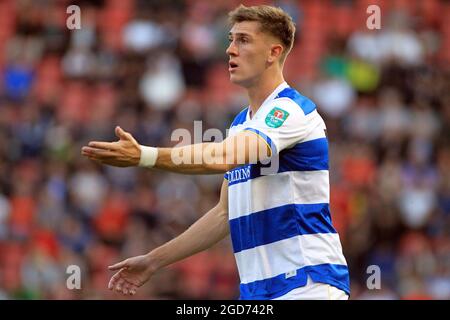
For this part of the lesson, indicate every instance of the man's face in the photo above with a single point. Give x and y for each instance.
(248, 51)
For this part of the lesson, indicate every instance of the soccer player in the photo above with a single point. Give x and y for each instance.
(283, 239)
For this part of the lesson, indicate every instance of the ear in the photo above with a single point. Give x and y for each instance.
(276, 50)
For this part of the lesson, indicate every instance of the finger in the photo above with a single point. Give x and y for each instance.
(90, 157)
(85, 151)
(120, 133)
(125, 288)
(103, 145)
(133, 289)
(119, 285)
(123, 135)
(114, 279)
(98, 153)
(119, 265)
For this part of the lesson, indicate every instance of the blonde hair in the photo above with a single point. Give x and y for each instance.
(273, 20)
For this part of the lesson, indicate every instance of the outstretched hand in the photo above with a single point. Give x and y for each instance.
(133, 273)
(123, 153)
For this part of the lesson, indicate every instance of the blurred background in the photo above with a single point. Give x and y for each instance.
(155, 66)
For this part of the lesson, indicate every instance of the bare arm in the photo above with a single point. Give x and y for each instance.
(204, 233)
(204, 158)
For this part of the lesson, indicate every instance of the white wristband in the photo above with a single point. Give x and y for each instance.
(148, 156)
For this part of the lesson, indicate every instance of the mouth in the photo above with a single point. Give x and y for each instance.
(232, 66)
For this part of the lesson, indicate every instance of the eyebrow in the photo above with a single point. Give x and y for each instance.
(239, 34)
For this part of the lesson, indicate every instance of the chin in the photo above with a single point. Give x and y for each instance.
(234, 79)
(238, 81)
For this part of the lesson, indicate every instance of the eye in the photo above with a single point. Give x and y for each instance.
(243, 40)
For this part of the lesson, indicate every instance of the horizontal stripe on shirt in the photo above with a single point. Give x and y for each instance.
(266, 192)
(306, 156)
(283, 256)
(279, 223)
(332, 274)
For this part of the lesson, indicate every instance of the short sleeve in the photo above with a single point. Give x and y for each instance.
(282, 124)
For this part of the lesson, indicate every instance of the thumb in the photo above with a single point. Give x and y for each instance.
(119, 265)
(120, 133)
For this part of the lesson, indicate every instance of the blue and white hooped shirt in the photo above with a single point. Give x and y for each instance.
(280, 223)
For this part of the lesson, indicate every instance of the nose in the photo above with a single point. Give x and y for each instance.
(231, 50)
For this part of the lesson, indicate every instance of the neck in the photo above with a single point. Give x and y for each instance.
(261, 89)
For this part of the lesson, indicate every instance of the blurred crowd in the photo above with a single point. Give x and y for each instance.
(156, 66)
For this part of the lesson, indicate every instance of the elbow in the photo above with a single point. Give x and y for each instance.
(224, 215)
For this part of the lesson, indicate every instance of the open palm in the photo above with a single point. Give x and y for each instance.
(132, 274)
(122, 153)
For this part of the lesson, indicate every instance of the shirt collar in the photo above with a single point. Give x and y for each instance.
(271, 96)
